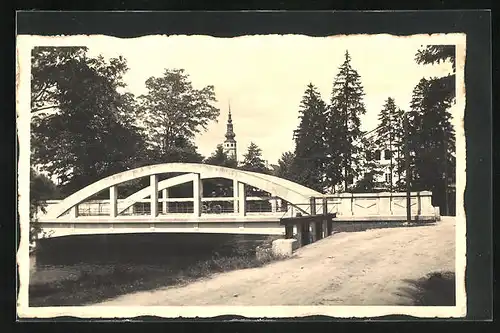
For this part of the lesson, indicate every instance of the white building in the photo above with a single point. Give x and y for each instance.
(388, 159)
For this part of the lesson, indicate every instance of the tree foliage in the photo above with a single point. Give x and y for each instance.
(431, 140)
(432, 137)
(51, 69)
(286, 167)
(371, 168)
(309, 157)
(253, 161)
(41, 189)
(343, 126)
(86, 137)
(220, 158)
(390, 136)
(174, 112)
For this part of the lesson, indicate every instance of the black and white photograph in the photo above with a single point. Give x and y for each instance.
(262, 175)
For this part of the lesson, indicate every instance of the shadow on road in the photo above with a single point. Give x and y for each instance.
(435, 289)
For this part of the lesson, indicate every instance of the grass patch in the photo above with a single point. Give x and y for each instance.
(364, 226)
(435, 289)
(94, 285)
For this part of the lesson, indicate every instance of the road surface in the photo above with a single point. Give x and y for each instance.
(358, 268)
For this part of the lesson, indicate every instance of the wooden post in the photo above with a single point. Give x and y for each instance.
(319, 230)
(312, 225)
(407, 167)
(113, 201)
(305, 233)
(325, 231)
(314, 231)
(288, 231)
(300, 234)
(419, 204)
(312, 203)
(153, 180)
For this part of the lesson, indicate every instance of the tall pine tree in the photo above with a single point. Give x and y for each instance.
(253, 161)
(439, 96)
(390, 137)
(343, 127)
(309, 161)
(431, 138)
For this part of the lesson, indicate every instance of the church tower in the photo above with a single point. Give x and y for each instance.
(230, 142)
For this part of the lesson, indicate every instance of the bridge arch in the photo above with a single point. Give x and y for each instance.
(277, 187)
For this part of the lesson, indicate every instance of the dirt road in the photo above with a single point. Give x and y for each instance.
(360, 268)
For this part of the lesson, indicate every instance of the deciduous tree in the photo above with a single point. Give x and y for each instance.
(286, 167)
(174, 112)
(85, 137)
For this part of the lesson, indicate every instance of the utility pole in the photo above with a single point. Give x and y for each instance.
(407, 167)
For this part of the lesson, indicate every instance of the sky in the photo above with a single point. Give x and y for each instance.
(264, 77)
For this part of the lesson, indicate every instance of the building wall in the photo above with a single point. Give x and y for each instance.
(383, 157)
(230, 148)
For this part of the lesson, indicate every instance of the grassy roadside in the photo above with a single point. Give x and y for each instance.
(434, 289)
(90, 284)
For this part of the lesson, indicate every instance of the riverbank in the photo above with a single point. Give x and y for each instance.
(88, 270)
(397, 266)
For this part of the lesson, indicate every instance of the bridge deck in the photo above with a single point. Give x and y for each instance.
(170, 218)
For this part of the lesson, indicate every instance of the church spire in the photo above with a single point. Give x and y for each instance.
(230, 142)
(229, 132)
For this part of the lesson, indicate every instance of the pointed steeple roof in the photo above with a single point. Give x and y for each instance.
(229, 132)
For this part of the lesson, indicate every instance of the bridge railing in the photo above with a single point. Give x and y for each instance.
(377, 204)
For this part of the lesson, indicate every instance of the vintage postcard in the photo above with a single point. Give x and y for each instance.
(264, 176)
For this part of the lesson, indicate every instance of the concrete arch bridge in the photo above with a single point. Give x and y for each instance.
(273, 211)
